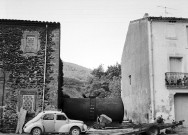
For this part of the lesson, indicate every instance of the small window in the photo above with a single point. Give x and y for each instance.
(30, 43)
(61, 117)
(130, 79)
(48, 117)
(187, 34)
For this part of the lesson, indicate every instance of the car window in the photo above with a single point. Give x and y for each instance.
(61, 117)
(48, 117)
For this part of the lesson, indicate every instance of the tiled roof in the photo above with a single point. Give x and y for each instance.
(27, 22)
(163, 19)
(173, 19)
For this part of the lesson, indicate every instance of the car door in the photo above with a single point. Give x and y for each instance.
(49, 123)
(61, 120)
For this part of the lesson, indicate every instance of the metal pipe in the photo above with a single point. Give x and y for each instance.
(151, 66)
(44, 85)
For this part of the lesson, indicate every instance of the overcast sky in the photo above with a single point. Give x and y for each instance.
(93, 32)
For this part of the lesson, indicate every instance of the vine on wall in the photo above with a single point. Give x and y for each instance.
(23, 72)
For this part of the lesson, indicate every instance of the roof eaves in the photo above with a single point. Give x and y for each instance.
(27, 22)
(168, 19)
(162, 19)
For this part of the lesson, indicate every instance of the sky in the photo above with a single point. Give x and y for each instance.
(93, 32)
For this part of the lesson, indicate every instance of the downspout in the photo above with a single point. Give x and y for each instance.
(151, 66)
(45, 51)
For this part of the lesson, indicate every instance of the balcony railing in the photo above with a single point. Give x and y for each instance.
(176, 80)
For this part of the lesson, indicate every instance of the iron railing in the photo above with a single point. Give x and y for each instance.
(176, 80)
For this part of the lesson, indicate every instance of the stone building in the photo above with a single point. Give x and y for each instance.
(155, 69)
(29, 67)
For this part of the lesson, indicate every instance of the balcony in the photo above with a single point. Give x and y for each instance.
(176, 80)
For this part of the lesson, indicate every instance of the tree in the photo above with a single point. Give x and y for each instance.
(98, 72)
(105, 84)
(113, 71)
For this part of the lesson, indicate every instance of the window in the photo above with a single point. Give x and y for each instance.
(130, 79)
(171, 31)
(30, 43)
(28, 102)
(61, 117)
(175, 64)
(187, 34)
(48, 117)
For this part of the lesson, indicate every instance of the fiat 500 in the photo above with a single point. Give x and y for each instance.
(54, 122)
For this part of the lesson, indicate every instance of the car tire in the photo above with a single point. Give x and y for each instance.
(36, 131)
(75, 131)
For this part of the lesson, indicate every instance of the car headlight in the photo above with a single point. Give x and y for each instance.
(85, 127)
(24, 127)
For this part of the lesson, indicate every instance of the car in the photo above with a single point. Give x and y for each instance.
(54, 122)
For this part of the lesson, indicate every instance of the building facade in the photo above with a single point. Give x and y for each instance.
(29, 67)
(155, 69)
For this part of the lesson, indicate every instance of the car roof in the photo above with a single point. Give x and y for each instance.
(50, 111)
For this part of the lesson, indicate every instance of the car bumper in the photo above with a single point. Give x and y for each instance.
(27, 129)
(84, 129)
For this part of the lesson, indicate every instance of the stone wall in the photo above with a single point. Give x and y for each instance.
(22, 46)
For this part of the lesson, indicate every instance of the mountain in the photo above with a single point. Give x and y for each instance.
(74, 79)
(75, 71)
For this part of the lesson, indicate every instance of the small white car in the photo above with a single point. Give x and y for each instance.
(54, 122)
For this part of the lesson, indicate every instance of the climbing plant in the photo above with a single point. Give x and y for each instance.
(24, 72)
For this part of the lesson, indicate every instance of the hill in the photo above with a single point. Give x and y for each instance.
(75, 71)
(78, 82)
(74, 79)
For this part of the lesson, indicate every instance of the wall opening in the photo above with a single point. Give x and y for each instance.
(175, 64)
(181, 107)
(130, 79)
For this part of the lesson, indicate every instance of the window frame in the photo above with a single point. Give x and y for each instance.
(48, 114)
(61, 115)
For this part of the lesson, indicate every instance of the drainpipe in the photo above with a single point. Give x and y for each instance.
(151, 66)
(44, 85)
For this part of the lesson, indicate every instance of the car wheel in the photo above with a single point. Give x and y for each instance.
(75, 131)
(36, 131)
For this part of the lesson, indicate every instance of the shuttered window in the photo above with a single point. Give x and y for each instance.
(175, 64)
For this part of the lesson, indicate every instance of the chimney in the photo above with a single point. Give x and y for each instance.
(146, 15)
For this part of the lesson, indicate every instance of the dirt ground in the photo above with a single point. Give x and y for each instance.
(179, 131)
